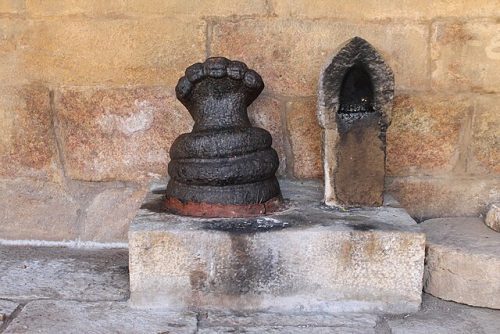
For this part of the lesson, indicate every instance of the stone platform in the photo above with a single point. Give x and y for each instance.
(463, 261)
(307, 258)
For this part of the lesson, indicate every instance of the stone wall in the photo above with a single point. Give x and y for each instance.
(88, 111)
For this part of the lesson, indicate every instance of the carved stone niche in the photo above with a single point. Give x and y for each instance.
(356, 90)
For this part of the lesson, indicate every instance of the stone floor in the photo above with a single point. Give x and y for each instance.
(60, 290)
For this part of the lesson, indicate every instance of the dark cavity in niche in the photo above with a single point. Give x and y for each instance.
(356, 93)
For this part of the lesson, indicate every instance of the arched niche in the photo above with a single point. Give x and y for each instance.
(355, 95)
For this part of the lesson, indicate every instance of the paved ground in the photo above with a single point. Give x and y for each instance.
(58, 290)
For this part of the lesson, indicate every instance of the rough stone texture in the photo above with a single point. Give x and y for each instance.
(385, 9)
(300, 49)
(305, 138)
(6, 309)
(97, 318)
(427, 197)
(169, 8)
(27, 144)
(282, 323)
(118, 134)
(81, 52)
(465, 56)
(31, 209)
(306, 259)
(109, 213)
(424, 136)
(13, 29)
(440, 317)
(32, 273)
(266, 113)
(485, 146)
(492, 219)
(462, 261)
(12, 6)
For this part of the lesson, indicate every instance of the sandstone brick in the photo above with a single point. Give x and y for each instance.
(12, 32)
(447, 197)
(146, 8)
(385, 9)
(485, 144)
(265, 112)
(112, 52)
(12, 6)
(305, 138)
(298, 50)
(27, 144)
(118, 134)
(424, 136)
(109, 213)
(36, 210)
(466, 56)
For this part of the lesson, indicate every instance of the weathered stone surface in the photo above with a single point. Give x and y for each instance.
(424, 136)
(385, 9)
(118, 134)
(59, 273)
(462, 261)
(27, 144)
(492, 219)
(266, 113)
(48, 316)
(112, 52)
(287, 323)
(169, 8)
(465, 56)
(13, 29)
(6, 309)
(12, 6)
(426, 197)
(301, 48)
(305, 259)
(485, 146)
(33, 209)
(107, 217)
(305, 138)
(440, 317)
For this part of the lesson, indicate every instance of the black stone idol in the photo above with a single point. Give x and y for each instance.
(225, 167)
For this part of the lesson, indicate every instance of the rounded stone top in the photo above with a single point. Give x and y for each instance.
(218, 68)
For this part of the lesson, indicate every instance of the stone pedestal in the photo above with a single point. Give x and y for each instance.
(308, 258)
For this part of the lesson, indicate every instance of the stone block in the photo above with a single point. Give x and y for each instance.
(12, 48)
(27, 143)
(485, 142)
(6, 309)
(61, 273)
(12, 6)
(385, 9)
(424, 136)
(305, 259)
(266, 113)
(118, 134)
(428, 197)
(80, 51)
(107, 216)
(465, 56)
(492, 219)
(462, 261)
(73, 317)
(34, 209)
(301, 48)
(133, 8)
(305, 138)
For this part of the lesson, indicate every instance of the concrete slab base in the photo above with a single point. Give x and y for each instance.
(308, 258)
(463, 261)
